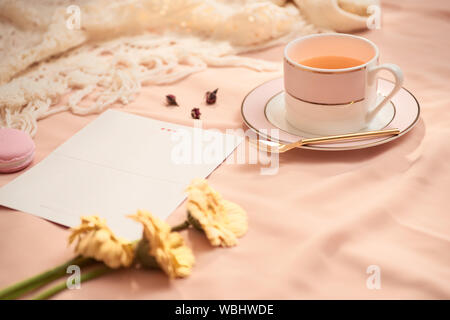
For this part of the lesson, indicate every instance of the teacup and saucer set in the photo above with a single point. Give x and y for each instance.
(331, 97)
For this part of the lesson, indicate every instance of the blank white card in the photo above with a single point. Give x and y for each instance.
(115, 165)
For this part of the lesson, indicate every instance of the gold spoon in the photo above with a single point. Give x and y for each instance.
(271, 146)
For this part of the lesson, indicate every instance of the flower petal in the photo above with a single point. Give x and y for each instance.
(168, 248)
(222, 221)
(96, 240)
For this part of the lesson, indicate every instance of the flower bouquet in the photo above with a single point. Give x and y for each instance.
(161, 246)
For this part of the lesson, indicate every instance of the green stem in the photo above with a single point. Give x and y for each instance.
(181, 226)
(63, 285)
(20, 292)
(18, 289)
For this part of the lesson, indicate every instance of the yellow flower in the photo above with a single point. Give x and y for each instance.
(96, 240)
(222, 221)
(168, 248)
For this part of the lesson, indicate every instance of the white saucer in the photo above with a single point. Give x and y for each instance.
(275, 112)
(263, 111)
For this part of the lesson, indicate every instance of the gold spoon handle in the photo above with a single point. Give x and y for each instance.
(350, 136)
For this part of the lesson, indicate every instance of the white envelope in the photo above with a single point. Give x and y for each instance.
(115, 165)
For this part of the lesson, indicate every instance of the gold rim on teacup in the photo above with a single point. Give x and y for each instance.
(330, 71)
(313, 93)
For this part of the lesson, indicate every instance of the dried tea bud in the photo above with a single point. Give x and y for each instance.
(171, 100)
(211, 96)
(195, 113)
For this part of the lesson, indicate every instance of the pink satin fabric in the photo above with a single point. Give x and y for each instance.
(316, 226)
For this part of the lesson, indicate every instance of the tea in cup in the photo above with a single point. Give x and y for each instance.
(330, 83)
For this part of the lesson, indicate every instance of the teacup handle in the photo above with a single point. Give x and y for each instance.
(398, 74)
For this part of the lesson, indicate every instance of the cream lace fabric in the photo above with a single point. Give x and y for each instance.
(124, 44)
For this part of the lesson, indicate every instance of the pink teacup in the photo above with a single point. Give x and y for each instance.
(334, 101)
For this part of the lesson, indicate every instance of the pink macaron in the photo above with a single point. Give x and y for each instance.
(16, 150)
